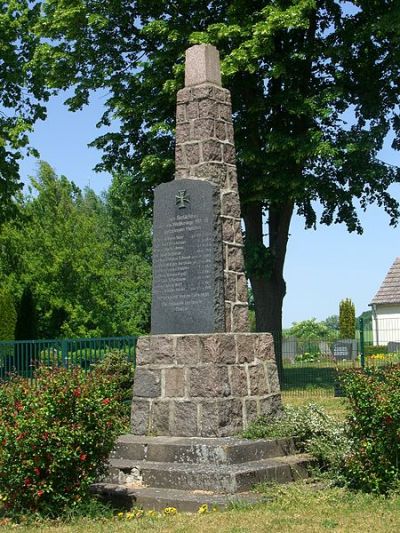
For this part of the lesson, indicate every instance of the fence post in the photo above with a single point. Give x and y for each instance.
(362, 343)
(64, 352)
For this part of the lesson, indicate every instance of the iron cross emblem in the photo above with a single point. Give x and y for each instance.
(182, 199)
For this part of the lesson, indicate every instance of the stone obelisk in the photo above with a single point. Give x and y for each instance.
(200, 373)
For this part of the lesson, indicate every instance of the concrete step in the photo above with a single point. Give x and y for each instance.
(195, 450)
(222, 478)
(129, 496)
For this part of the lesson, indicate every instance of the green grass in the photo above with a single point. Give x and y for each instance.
(296, 508)
(336, 407)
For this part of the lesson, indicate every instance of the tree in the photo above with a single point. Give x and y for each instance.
(63, 246)
(347, 319)
(296, 69)
(22, 92)
(26, 324)
(309, 330)
(8, 315)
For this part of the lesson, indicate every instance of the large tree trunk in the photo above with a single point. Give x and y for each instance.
(266, 272)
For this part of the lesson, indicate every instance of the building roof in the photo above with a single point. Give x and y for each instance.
(389, 291)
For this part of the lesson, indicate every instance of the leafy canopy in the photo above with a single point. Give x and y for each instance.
(23, 92)
(314, 82)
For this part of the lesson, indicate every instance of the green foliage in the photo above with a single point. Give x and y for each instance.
(308, 330)
(26, 325)
(120, 372)
(376, 349)
(56, 437)
(315, 92)
(89, 277)
(22, 92)
(8, 315)
(315, 431)
(347, 319)
(374, 395)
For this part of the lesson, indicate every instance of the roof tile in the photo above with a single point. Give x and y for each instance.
(389, 291)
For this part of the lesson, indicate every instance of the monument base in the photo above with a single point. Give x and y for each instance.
(208, 385)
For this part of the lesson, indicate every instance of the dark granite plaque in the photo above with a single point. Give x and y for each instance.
(187, 259)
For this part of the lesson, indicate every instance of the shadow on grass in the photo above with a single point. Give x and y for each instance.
(297, 378)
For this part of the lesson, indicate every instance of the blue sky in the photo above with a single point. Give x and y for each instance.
(322, 266)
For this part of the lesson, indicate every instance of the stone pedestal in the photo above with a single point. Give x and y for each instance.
(209, 385)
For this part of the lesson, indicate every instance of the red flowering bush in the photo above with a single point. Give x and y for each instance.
(55, 436)
(373, 463)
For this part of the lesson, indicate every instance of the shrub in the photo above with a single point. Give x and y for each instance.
(121, 372)
(374, 395)
(376, 349)
(56, 435)
(316, 432)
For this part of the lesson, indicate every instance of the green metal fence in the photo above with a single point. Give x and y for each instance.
(21, 357)
(311, 366)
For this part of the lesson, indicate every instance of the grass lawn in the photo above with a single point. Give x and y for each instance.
(297, 507)
(336, 407)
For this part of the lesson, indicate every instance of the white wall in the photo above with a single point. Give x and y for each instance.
(386, 323)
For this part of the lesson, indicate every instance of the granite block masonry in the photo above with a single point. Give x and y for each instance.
(210, 385)
(201, 373)
(205, 154)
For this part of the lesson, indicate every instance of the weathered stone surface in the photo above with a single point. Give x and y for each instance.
(174, 382)
(183, 96)
(251, 410)
(240, 317)
(230, 417)
(183, 132)
(258, 381)
(192, 152)
(180, 113)
(270, 406)
(154, 350)
(235, 258)
(209, 418)
(272, 377)
(203, 91)
(245, 347)
(212, 150)
(241, 288)
(228, 233)
(185, 419)
(225, 112)
(229, 154)
(140, 417)
(187, 259)
(180, 160)
(220, 130)
(160, 418)
(230, 133)
(187, 350)
(232, 177)
(230, 286)
(208, 108)
(264, 347)
(209, 382)
(203, 128)
(204, 374)
(238, 235)
(202, 65)
(147, 383)
(230, 204)
(238, 379)
(218, 348)
(192, 110)
(228, 316)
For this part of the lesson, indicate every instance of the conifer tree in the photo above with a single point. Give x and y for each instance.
(8, 316)
(347, 319)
